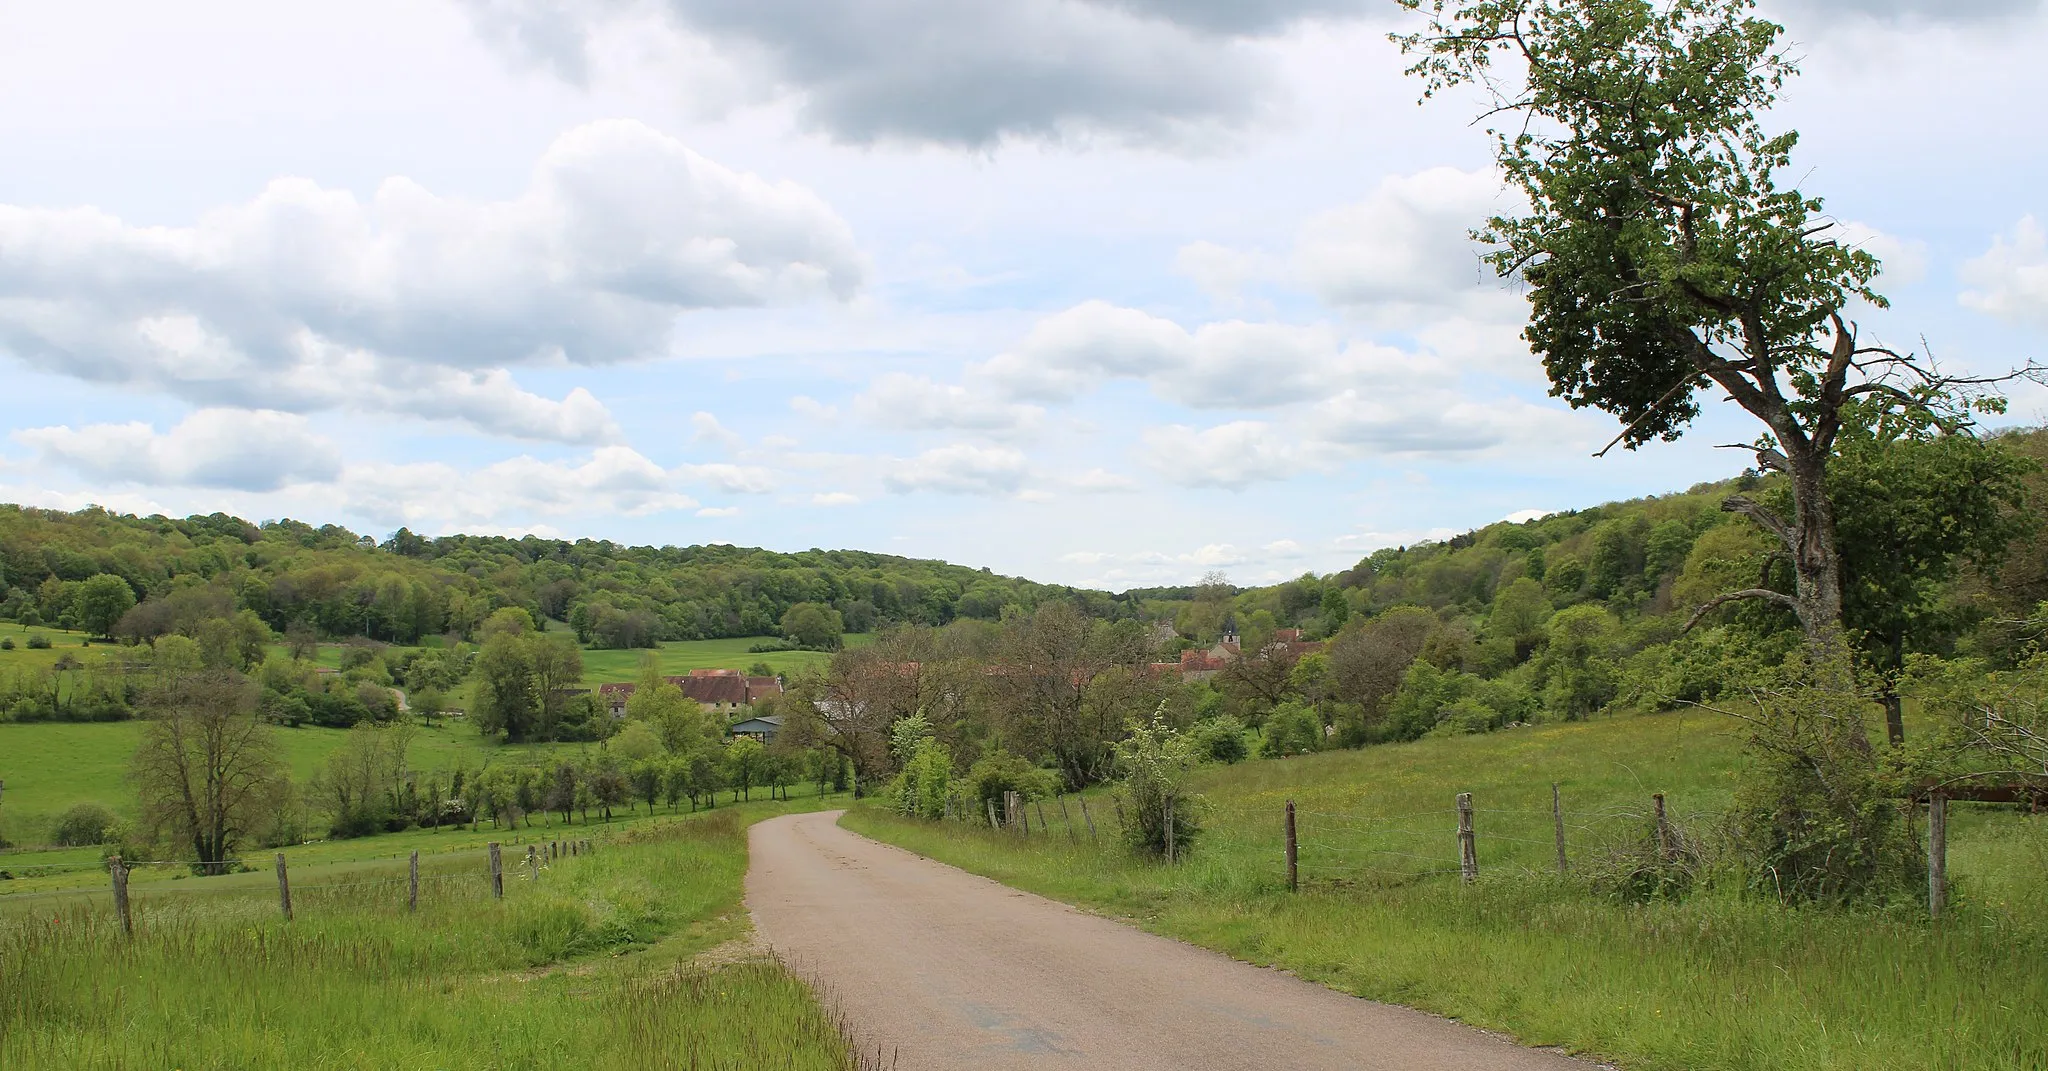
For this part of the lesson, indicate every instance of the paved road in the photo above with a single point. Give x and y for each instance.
(943, 969)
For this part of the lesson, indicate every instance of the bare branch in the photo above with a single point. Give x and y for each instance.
(1719, 601)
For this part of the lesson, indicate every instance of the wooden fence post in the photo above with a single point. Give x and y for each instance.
(284, 888)
(412, 890)
(993, 825)
(1557, 821)
(1169, 830)
(1468, 844)
(1293, 875)
(1665, 852)
(1067, 820)
(532, 864)
(1937, 854)
(1088, 818)
(120, 874)
(1042, 827)
(497, 873)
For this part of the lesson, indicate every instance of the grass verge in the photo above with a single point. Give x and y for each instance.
(589, 966)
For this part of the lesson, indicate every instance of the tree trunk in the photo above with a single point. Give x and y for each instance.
(1817, 569)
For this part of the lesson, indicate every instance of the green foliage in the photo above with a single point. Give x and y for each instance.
(999, 772)
(1815, 816)
(39, 642)
(84, 824)
(330, 582)
(1291, 729)
(920, 791)
(814, 625)
(1152, 766)
(100, 601)
(1221, 739)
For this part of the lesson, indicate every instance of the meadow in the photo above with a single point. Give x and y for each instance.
(48, 767)
(1716, 979)
(681, 656)
(599, 962)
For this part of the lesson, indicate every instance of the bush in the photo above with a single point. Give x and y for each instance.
(1221, 740)
(1813, 818)
(39, 642)
(1154, 762)
(1292, 729)
(1000, 772)
(7, 644)
(83, 825)
(920, 791)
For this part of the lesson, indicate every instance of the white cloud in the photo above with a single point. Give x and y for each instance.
(813, 409)
(1231, 364)
(1439, 424)
(1524, 516)
(306, 298)
(961, 73)
(1223, 272)
(1405, 254)
(835, 498)
(1232, 456)
(732, 479)
(900, 400)
(2010, 281)
(704, 427)
(245, 450)
(1101, 481)
(439, 497)
(719, 511)
(960, 469)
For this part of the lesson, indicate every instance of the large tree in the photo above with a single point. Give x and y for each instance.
(1663, 257)
(208, 770)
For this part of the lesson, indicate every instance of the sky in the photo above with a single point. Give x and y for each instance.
(1102, 292)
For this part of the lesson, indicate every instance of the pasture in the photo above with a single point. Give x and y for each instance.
(1716, 979)
(681, 656)
(596, 963)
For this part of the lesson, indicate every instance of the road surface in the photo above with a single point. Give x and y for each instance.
(937, 968)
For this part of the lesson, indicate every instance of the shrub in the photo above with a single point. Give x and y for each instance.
(1292, 729)
(83, 825)
(1813, 818)
(1154, 762)
(1000, 772)
(1221, 740)
(39, 642)
(920, 790)
(7, 644)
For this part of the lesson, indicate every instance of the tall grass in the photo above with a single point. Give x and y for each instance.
(540, 978)
(1714, 980)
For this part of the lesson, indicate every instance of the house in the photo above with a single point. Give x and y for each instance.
(762, 729)
(759, 688)
(721, 691)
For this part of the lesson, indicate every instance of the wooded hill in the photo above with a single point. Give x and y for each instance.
(342, 584)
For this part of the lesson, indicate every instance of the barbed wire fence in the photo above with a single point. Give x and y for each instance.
(463, 875)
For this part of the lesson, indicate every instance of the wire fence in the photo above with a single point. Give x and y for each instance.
(464, 874)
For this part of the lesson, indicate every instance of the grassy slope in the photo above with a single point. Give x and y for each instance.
(215, 979)
(1716, 981)
(604, 667)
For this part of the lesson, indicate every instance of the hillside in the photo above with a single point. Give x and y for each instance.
(339, 583)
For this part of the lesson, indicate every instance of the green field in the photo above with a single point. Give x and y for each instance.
(599, 666)
(1716, 980)
(679, 657)
(597, 963)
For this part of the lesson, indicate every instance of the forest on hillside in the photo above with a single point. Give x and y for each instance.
(338, 584)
